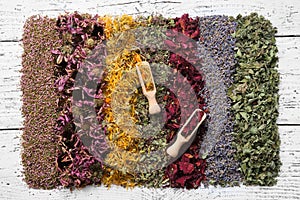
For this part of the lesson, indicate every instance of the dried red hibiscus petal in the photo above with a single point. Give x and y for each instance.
(182, 180)
(188, 26)
(188, 170)
(186, 167)
(189, 166)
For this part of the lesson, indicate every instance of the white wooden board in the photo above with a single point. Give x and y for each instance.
(283, 14)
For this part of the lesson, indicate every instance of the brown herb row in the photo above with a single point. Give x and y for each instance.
(39, 141)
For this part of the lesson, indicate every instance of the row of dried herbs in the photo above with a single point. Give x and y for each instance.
(222, 167)
(188, 170)
(39, 141)
(254, 96)
(79, 35)
(254, 140)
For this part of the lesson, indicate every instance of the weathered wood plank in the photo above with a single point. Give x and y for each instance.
(10, 98)
(289, 51)
(10, 102)
(288, 187)
(283, 14)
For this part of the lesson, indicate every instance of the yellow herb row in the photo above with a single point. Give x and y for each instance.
(119, 61)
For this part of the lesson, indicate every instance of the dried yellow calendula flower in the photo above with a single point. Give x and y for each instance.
(118, 24)
(121, 59)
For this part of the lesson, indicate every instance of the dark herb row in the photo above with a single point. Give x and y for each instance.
(79, 35)
(188, 170)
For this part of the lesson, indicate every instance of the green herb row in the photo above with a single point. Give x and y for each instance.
(254, 95)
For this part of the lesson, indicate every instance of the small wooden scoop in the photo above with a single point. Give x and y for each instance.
(174, 149)
(153, 105)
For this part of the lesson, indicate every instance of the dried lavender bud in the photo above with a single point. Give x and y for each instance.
(215, 36)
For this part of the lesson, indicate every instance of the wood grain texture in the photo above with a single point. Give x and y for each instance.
(289, 88)
(10, 93)
(283, 14)
(12, 186)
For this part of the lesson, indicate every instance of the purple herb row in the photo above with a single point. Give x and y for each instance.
(79, 35)
(216, 38)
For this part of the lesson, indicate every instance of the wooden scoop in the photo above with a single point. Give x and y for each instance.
(174, 149)
(153, 105)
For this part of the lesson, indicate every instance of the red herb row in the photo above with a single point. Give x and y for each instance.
(188, 170)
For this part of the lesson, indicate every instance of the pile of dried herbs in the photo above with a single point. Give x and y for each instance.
(188, 170)
(254, 96)
(245, 139)
(153, 135)
(39, 141)
(216, 37)
(79, 34)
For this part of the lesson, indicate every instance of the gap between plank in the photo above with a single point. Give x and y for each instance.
(15, 40)
(11, 129)
(293, 125)
(286, 36)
